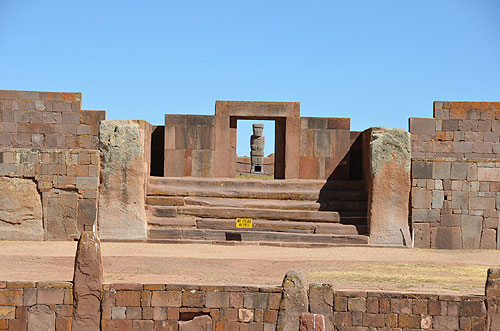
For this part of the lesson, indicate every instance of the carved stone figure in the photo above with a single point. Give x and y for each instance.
(257, 142)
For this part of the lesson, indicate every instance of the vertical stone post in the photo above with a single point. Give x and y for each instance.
(493, 299)
(294, 302)
(312, 322)
(387, 163)
(87, 284)
(121, 213)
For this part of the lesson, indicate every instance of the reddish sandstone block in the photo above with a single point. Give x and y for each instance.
(342, 318)
(4, 324)
(143, 325)
(373, 320)
(409, 321)
(128, 298)
(18, 325)
(63, 323)
(193, 298)
(11, 297)
(227, 326)
(229, 314)
(236, 299)
(422, 125)
(217, 299)
(116, 325)
(173, 313)
(166, 298)
(270, 316)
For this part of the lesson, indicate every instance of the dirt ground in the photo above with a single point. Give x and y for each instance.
(399, 269)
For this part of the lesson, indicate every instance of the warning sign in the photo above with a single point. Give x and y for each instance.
(245, 223)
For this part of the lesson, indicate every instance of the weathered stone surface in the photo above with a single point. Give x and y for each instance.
(312, 322)
(389, 186)
(121, 202)
(294, 302)
(20, 210)
(199, 323)
(446, 238)
(41, 318)
(471, 231)
(87, 283)
(493, 299)
(321, 302)
(61, 215)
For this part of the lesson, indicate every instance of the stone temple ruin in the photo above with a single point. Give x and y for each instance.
(64, 170)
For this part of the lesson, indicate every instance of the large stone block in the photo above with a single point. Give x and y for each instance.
(389, 186)
(492, 292)
(121, 212)
(312, 322)
(61, 215)
(421, 235)
(471, 231)
(294, 302)
(446, 238)
(41, 318)
(20, 210)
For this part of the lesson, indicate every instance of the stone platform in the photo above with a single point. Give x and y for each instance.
(282, 211)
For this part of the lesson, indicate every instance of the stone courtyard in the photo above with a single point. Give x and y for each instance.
(190, 244)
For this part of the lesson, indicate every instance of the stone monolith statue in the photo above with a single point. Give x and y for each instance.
(257, 141)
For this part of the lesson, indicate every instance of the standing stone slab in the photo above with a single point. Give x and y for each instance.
(20, 210)
(87, 283)
(493, 299)
(294, 302)
(121, 202)
(388, 180)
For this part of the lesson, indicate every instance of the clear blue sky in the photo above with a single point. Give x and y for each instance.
(377, 62)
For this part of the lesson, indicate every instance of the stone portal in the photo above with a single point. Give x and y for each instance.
(257, 142)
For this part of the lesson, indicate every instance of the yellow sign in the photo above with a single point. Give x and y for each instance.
(245, 223)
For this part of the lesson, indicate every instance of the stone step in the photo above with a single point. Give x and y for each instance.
(257, 203)
(239, 235)
(256, 213)
(256, 189)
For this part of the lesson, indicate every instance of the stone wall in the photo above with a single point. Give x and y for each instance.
(455, 182)
(66, 183)
(189, 145)
(151, 306)
(47, 120)
(37, 306)
(324, 147)
(49, 306)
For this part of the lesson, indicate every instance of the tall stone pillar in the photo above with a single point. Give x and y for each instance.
(87, 284)
(387, 162)
(294, 302)
(122, 213)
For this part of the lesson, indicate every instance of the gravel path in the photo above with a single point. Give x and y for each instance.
(345, 267)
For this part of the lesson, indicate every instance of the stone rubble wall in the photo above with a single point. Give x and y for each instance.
(455, 176)
(66, 182)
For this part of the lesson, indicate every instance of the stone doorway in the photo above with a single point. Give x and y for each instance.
(243, 149)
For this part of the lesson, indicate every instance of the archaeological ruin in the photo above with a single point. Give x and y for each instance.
(70, 174)
(64, 170)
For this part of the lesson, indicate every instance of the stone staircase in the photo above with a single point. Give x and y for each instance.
(283, 211)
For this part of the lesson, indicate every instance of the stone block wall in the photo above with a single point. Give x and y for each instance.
(67, 184)
(324, 147)
(189, 145)
(455, 182)
(36, 306)
(377, 310)
(162, 306)
(47, 120)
